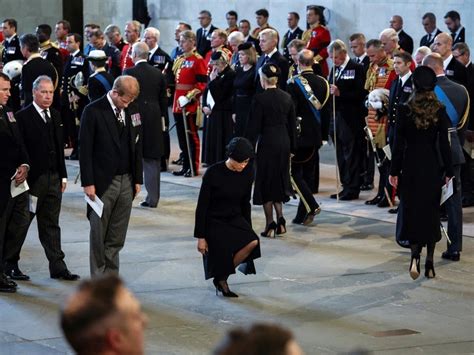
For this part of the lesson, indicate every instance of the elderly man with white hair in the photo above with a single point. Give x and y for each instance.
(389, 38)
(235, 39)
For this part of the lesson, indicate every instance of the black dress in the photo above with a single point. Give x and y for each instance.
(219, 127)
(416, 161)
(272, 126)
(244, 89)
(223, 218)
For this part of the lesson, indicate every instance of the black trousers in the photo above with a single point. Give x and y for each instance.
(193, 138)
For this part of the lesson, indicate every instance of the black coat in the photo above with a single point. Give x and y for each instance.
(397, 97)
(350, 102)
(100, 146)
(287, 38)
(12, 50)
(162, 61)
(310, 135)
(74, 65)
(12, 153)
(203, 45)
(470, 89)
(461, 38)
(96, 89)
(35, 137)
(424, 40)
(279, 60)
(113, 61)
(457, 72)
(53, 55)
(405, 41)
(152, 105)
(31, 70)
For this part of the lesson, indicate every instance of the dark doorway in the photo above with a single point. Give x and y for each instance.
(73, 12)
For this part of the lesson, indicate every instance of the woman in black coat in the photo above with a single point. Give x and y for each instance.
(223, 224)
(416, 170)
(217, 106)
(244, 87)
(272, 126)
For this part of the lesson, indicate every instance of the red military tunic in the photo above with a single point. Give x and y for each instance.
(318, 39)
(126, 57)
(190, 75)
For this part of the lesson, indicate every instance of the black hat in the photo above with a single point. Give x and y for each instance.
(219, 56)
(424, 78)
(240, 149)
(270, 70)
(244, 46)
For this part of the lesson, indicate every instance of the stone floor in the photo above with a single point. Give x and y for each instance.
(340, 284)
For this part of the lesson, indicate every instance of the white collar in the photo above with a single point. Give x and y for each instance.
(343, 65)
(40, 111)
(362, 57)
(272, 52)
(458, 31)
(75, 53)
(405, 77)
(447, 61)
(207, 29)
(468, 64)
(400, 30)
(152, 51)
(112, 103)
(141, 61)
(246, 38)
(292, 30)
(433, 34)
(8, 39)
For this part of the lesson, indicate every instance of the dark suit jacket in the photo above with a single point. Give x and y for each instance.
(405, 41)
(459, 98)
(397, 97)
(350, 102)
(203, 45)
(470, 89)
(461, 38)
(287, 38)
(456, 72)
(35, 137)
(153, 105)
(279, 60)
(12, 154)
(31, 70)
(424, 40)
(100, 146)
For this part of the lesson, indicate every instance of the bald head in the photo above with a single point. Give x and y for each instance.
(305, 58)
(140, 51)
(435, 62)
(396, 22)
(442, 45)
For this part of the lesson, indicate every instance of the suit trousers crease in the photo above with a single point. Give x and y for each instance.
(47, 189)
(107, 235)
(151, 175)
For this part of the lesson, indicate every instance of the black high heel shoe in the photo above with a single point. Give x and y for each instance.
(281, 226)
(415, 267)
(221, 286)
(429, 269)
(270, 230)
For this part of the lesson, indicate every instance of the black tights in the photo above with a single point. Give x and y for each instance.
(416, 250)
(268, 210)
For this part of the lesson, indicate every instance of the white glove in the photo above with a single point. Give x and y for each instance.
(183, 101)
(376, 104)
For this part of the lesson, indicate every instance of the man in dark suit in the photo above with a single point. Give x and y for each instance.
(404, 40)
(452, 19)
(35, 66)
(452, 68)
(400, 91)
(203, 34)
(309, 139)
(111, 169)
(244, 27)
(13, 163)
(348, 88)
(73, 96)
(268, 43)
(42, 131)
(97, 40)
(456, 100)
(429, 24)
(294, 32)
(153, 107)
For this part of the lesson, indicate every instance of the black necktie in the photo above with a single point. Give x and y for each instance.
(358, 60)
(265, 61)
(453, 34)
(47, 116)
(429, 37)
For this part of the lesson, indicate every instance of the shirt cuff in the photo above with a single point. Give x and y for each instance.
(64, 180)
(27, 166)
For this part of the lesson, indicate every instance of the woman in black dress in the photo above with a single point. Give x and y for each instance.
(223, 224)
(217, 105)
(422, 127)
(272, 126)
(244, 87)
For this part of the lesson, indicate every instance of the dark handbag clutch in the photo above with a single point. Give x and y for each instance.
(208, 274)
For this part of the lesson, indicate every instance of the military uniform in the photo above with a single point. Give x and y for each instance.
(113, 60)
(76, 63)
(190, 81)
(11, 51)
(126, 57)
(317, 39)
(50, 52)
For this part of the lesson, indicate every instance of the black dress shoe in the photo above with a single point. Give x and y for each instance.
(366, 187)
(181, 172)
(310, 216)
(188, 174)
(393, 210)
(334, 196)
(146, 204)
(467, 202)
(65, 275)
(15, 273)
(453, 256)
(374, 201)
(297, 220)
(383, 203)
(348, 196)
(178, 161)
(6, 285)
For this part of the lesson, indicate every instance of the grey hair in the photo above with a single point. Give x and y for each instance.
(40, 79)
(336, 46)
(237, 36)
(390, 33)
(112, 29)
(423, 50)
(155, 32)
(141, 50)
(269, 32)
